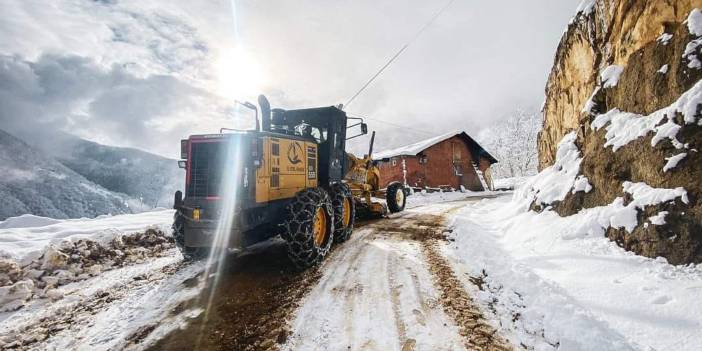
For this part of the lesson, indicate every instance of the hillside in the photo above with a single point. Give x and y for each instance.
(151, 178)
(35, 183)
(621, 129)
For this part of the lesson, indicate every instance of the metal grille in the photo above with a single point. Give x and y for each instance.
(205, 169)
(275, 177)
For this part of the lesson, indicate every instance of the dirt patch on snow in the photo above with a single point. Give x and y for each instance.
(251, 305)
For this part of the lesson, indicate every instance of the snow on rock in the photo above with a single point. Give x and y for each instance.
(584, 8)
(645, 195)
(663, 69)
(658, 219)
(590, 103)
(673, 161)
(556, 181)
(610, 75)
(582, 184)
(694, 22)
(664, 39)
(43, 257)
(625, 127)
(691, 51)
(595, 221)
(548, 292)
(694, 25)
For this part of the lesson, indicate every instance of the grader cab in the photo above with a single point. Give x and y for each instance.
(287, 177)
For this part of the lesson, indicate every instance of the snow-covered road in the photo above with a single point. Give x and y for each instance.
(389, 289)
(452, 272)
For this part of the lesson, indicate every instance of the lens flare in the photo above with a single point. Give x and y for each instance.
(228, 207)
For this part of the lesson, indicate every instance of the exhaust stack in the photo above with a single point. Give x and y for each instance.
(265, 113)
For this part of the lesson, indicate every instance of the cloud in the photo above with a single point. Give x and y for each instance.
(141, 73)
(74, 94)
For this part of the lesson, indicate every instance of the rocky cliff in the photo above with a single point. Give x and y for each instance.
(625, 90)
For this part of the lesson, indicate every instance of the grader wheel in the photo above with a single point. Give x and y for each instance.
(344, 212)
(396, 197)
(309, 227)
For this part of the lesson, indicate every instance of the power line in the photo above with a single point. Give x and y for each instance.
(398, 125)
(402, 49)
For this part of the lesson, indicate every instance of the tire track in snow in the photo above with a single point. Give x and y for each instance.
(460, 306)
(392, 264)
(378, 292)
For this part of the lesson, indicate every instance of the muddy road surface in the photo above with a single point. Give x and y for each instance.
(387, 288)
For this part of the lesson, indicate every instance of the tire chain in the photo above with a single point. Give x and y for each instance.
(341, 191)
(299, 224)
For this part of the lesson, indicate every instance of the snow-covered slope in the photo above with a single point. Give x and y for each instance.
(150, 178)
(35, 183)
(549, 289)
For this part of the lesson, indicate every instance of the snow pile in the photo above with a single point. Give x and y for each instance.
(557, 180)
(663, 69)
(673, 161)
(39, 255)
(550, 291)
(609, 77)
(625, 127)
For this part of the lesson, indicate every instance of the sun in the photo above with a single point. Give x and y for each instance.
(239, 74)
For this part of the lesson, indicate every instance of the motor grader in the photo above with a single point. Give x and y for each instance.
(291, 176)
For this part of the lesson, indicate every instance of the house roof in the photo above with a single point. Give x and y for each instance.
(418, 147)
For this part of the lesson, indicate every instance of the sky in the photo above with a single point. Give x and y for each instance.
(146, 74)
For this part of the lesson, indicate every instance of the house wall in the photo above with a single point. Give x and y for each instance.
(439, 169)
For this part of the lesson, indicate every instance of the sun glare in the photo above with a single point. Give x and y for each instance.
(239, 74)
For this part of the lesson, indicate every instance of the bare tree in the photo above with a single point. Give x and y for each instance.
(513, 142)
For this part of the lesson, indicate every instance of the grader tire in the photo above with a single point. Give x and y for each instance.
(344, 212)
(189, 253)
(396, 197)
(309, 227)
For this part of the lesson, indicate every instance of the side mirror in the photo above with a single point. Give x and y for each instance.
(364, 128)
(182, 164)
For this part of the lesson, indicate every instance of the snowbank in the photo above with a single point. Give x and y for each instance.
(25, 238)
(38, 255)
(552, 290)
(556, 181)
